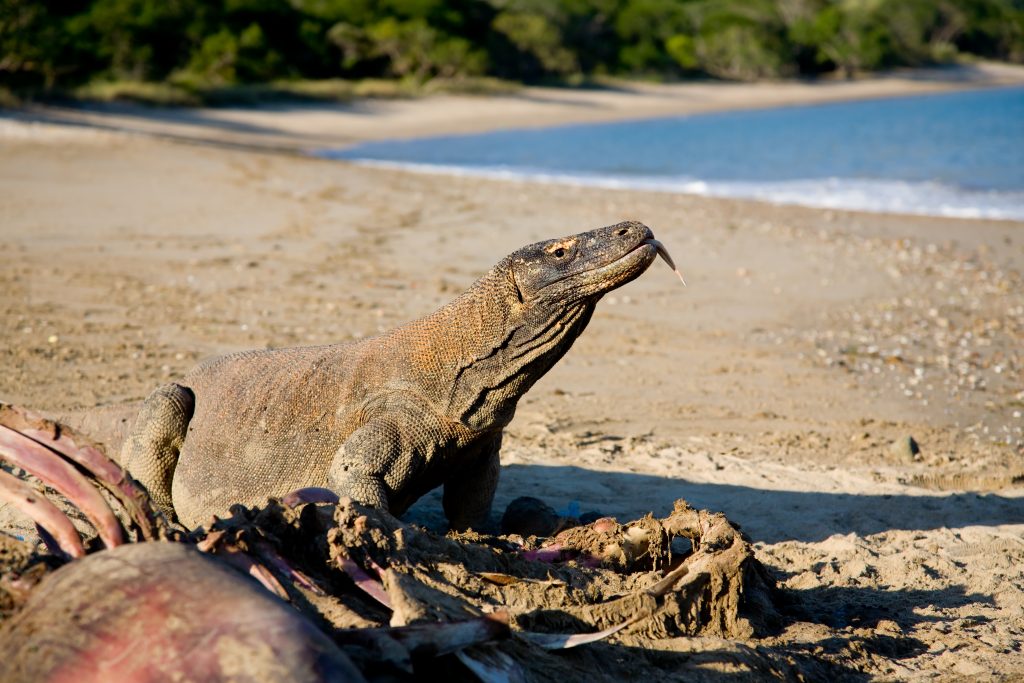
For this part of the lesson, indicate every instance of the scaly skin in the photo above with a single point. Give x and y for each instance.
(387, 419)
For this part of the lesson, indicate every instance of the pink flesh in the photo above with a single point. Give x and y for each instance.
(311, 494)
(605, 525)
(556, 552)
(374, 567)
(269, 555)
(107, 472)
(551, 553)
(364, 582)
(55, 472)
(151, 612)
(41, 511)
(240, 560)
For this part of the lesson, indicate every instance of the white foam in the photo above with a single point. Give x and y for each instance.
(854, 194)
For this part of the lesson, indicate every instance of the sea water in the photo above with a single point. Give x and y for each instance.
(952, 154)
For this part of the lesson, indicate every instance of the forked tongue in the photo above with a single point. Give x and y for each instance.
(663, 253)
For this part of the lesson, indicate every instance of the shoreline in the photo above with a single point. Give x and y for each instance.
(304, 127)
(655, 185)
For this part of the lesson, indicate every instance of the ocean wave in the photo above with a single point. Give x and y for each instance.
(854, 194)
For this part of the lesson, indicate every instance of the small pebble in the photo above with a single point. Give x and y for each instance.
(905, 448)
(529, 516)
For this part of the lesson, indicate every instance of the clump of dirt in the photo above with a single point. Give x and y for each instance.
(585, 580)
(21, 568)
(592, 576)
(395, 596)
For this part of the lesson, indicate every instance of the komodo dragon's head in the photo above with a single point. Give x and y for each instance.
(520, 318)
(586, 266)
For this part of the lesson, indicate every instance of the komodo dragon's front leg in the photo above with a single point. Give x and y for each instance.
(359, 467)
(379, 464)
(406, 449)
(151, 450)
(469, 492)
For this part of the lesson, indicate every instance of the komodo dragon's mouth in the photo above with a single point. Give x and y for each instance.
(659, 248)
(617, 264)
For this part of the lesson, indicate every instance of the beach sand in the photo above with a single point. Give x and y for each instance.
(779, 387)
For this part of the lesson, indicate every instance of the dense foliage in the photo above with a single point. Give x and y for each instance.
(59, 44)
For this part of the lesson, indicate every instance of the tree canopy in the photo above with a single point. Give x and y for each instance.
(50, 44)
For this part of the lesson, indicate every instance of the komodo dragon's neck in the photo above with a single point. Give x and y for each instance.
(476, 356)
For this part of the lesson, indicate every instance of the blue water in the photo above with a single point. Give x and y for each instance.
(956, 154)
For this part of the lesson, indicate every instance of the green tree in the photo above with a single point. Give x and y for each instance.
(656, 36)
(62, 43)
(225, 58)
(683, 50)
(538, 37)
(992, 28)
(31, 43)
(140, 39)
(742, 40)
(851, 35)
(411, 49)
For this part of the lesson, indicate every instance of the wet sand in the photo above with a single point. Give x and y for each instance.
(779, 387)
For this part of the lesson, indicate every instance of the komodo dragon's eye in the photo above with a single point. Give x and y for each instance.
(559, 253)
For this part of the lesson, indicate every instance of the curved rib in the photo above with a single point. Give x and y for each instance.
(57, 473)
(107, 472)
(44, 513)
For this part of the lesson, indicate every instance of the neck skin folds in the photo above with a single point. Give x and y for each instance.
(495, 348)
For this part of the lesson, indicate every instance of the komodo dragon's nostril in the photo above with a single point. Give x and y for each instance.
(621, 232)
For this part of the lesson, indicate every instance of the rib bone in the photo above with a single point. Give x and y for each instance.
(73, 447)
(44, 513)
(57, 473)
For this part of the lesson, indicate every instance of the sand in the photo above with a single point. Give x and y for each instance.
(779, 387)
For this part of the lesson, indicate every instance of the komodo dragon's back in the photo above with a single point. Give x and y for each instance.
(264, 416)
(382, 420)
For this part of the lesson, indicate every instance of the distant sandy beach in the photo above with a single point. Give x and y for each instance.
(308, 126)
(780, 386)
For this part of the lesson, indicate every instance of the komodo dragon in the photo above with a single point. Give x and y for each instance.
(383, 420)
